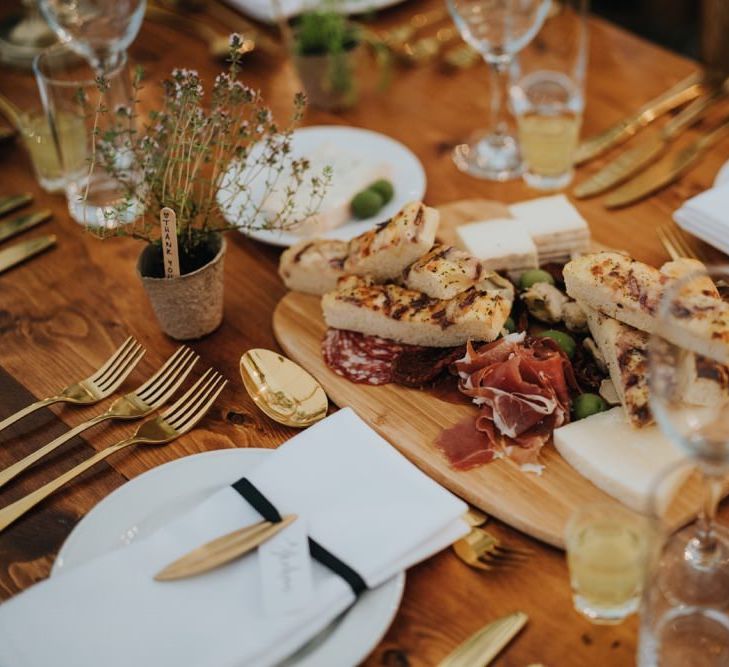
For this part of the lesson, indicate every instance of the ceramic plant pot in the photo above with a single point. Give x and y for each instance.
(190, 306)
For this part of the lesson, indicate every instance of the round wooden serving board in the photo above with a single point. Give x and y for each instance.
(411, 419)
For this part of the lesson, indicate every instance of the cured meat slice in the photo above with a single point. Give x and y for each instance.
(418, 366)
(464, 447)
(360, 358)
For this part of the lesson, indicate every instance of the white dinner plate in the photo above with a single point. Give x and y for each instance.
(158, 496)
(408, 177)
(723, 174)
(263, 10)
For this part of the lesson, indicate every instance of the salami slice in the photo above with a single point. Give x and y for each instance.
(360, 358)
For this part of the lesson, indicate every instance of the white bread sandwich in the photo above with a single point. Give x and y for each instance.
(383, 252)
(631, 291)
(412, 317)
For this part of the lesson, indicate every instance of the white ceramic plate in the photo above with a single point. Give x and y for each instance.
(153, 499)
(408, 177)
(263, 10)
(723, 175)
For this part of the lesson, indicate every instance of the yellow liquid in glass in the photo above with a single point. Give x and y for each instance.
(607, 563)
(71, 130)
(548, 142)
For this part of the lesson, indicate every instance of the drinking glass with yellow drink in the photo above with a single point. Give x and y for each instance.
(608, 551)
(547, 95)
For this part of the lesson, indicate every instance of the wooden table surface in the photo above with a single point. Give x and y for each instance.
(63, 313)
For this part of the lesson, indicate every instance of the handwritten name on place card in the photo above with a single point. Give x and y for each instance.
(285, 564)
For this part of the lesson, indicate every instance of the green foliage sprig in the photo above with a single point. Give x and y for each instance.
(200, 159)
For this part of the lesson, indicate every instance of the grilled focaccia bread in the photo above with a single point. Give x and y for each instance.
(443, 272)
(412, 317)
(631, 292)
(625, 350)
(314, 266)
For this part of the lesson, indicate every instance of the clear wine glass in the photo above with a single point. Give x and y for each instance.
(689, 395)
(99, 30)
(498, 30)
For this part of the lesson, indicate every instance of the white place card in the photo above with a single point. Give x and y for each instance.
(285, 564)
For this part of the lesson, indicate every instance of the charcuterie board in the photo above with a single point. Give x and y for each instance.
(412, 419)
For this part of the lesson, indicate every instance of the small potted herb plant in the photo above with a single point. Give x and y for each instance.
(326, 49)
(196, 157)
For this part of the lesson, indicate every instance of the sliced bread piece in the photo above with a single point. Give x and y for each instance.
(631, 291)
(408, 316)
(314, 266)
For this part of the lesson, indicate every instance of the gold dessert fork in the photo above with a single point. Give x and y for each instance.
(153, 394)
(94, 388)
(174, 422)
(484, 551)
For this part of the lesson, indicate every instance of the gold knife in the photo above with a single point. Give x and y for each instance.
(9, 228)
(222, 550)
(666, 171)
(633, 160)
(19, 252)
(483, 646)
(682, 92)
(11, 202)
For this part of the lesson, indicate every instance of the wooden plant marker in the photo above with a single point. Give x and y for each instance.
(170, 255)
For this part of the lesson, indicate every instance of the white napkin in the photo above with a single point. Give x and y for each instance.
(707, 216)
(361, 500)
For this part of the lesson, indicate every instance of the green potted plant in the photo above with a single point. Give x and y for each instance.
(326, 51)
(197, 159)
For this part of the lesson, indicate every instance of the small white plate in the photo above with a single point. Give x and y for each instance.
(408, 178)
(155, 498)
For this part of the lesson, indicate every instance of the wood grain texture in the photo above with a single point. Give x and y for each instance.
(64, 312)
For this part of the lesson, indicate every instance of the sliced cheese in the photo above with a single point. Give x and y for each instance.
(548, 217)
(501, 244)
(623, 462)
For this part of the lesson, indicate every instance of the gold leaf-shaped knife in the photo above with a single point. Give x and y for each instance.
(11, 202)
(485, 644)
(633, 160)
(666, 171)
(21, 223)
(682, 92)
(222, 550)
(19, 252)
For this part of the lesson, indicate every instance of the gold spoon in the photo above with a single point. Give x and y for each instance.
(282, 389)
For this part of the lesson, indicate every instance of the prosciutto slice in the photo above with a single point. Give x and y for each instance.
(522, 386)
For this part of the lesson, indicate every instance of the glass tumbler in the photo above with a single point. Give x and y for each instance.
(78, 113)
(547, 96)
(608, 550)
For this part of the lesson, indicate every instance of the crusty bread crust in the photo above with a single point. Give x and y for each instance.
(407, 316)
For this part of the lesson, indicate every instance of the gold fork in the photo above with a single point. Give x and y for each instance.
(94, 388)
(484, 551)
(675, 242)
(153, 394)
(174, 422)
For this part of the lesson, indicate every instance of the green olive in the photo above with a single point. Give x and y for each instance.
(366, 204)
(588, 404)
(510, 325)
(533, 276)
(384, 188)
(565, 341)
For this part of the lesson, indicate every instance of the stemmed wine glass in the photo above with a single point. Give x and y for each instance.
(498, 30)
(689, 393)
(98, 30)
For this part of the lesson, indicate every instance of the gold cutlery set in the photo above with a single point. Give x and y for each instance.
(649, 166)
(178, 419)
(15, 254)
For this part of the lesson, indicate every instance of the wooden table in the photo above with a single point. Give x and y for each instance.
(63, 313)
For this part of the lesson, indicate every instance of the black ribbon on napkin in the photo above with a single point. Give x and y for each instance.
(263, 506)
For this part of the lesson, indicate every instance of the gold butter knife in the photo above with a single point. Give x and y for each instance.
(19, 252)
(649, 150)
(483, 646)
(222, 550)
(11, 202)
(666, 171)
(9, 228)
(682, 92)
